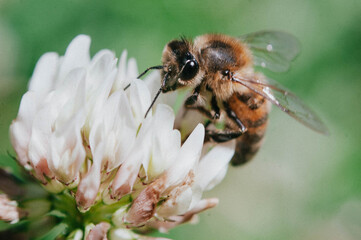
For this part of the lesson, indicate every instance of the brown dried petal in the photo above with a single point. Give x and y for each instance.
(99, 232)
(143, 207)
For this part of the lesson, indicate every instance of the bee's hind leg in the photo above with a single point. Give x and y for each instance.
(222, 136)
(233, 116)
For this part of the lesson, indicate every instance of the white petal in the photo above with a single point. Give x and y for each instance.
(44, 74)
(102, 64)
(188, 157)
(71, 98)
(132, 71)
(29, 105)
(41, 131)
(117, 217)
(153, 82)
(76, 56)
(19, 137)
(99, 96)
(76, 235)
(20, 129)
(113, 128)
(121, 80)
(213, 165)
(122, 234)
(139, 99)
(166, 141)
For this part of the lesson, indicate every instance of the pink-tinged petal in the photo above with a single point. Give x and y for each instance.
(178, 199)
(9, 211)
(76, 56)
(143, 207)
(99, 232)
(177, 203)
(88, 187)
(66, 142)
(126, 175)
(44, 75)
(128, 172)
(165, 226)
(38, 152)
(67, 151)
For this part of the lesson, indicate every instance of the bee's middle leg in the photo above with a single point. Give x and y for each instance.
(228, 133)
(192, 102)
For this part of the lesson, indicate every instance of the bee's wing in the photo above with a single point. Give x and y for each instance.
(273, 50)
(285, 100)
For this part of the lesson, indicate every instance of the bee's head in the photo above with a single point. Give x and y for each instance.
(180, 66)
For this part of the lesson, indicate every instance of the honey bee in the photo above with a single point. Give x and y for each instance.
(221, 71)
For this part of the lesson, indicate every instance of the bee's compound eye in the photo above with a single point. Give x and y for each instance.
(225, 73)
(190, 70)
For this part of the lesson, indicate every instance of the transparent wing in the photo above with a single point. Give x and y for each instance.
(285, 100)
(273, 50)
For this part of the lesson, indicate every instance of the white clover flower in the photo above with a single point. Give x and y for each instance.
(85, 139)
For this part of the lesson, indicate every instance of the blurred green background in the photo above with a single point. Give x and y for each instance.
(301, 185)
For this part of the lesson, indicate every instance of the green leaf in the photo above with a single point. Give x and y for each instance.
(57, 213)
(54, 232)
(4, 226)
(7, 226)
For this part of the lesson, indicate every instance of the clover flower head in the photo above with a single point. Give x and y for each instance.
(86, 141)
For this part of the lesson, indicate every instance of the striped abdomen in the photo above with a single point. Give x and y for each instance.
(252, 109)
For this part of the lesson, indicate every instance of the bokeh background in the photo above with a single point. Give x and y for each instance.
(301, 185)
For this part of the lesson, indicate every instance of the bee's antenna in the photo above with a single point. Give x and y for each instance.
(157, 95)
(151, 105)
(143, 73)
(150, 68)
